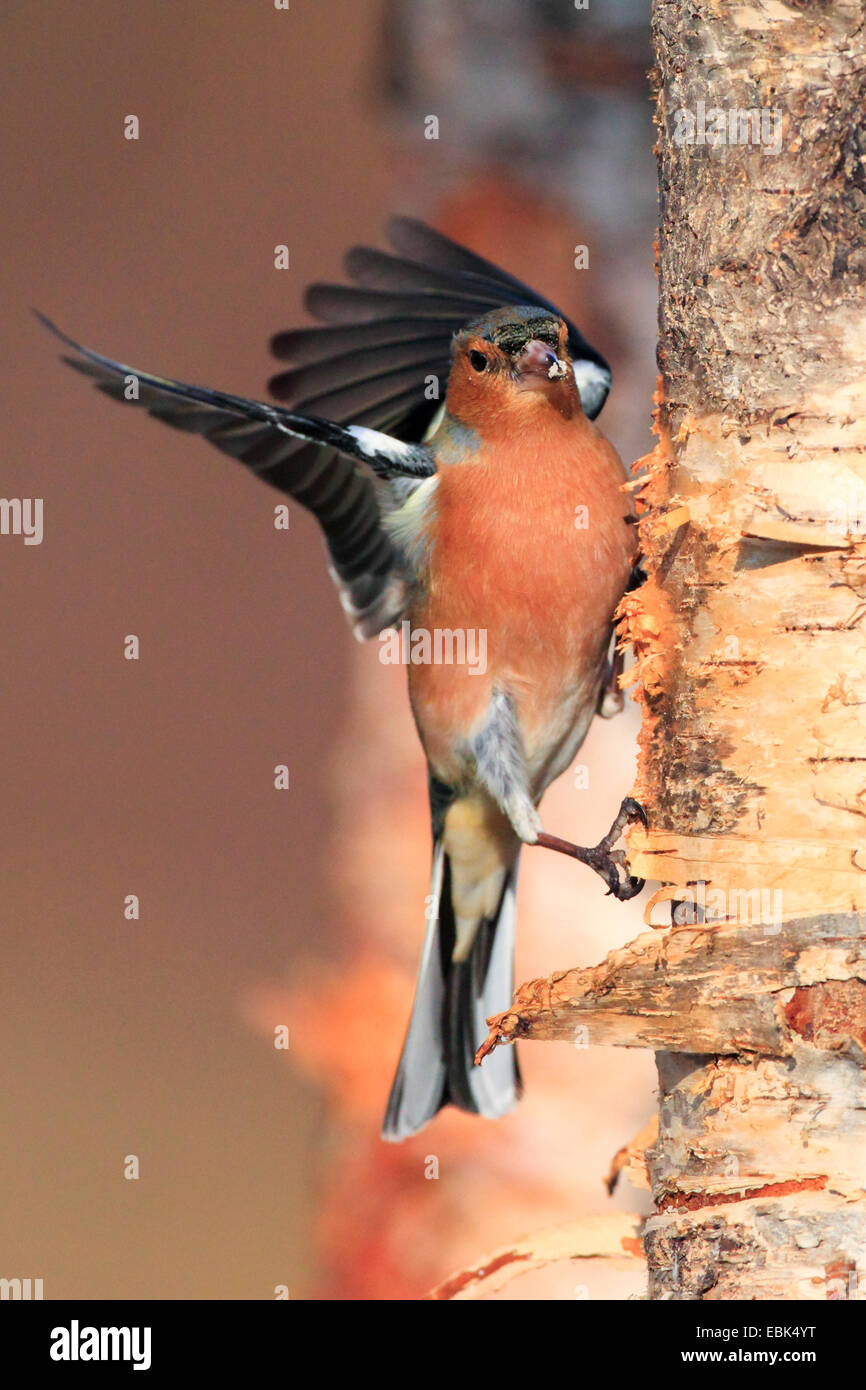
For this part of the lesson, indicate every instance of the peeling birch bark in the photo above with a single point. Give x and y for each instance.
(751, 666)
(758, 1169)
(751, 656)
(757, 1177)
(631, 1161)
(729, 990)
(614, 1238)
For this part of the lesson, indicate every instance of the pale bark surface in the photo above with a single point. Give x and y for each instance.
(753, 657)
(753, 748)
(751, 669)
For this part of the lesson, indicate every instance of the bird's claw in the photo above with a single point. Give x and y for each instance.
(609, 863)
(630, 813)
(612, 867)
(621, 883)
(634, 812)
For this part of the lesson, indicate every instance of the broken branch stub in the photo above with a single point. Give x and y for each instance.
(728, 990)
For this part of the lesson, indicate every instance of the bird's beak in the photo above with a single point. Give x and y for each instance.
(538, 366)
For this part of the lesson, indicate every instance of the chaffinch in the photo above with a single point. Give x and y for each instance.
(493, 529)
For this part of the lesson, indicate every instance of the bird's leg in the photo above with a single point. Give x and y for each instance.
(500, 767)
(610, 863)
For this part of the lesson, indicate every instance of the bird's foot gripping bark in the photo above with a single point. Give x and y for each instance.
(608, 862)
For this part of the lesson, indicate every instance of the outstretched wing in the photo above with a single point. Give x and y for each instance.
(359, 390)
(348, 476)
(391, 331)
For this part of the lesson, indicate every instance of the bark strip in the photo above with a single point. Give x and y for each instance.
(727, 990)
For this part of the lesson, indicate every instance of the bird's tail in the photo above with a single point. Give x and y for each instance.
(448, 1023)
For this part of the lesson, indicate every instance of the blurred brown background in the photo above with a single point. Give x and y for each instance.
(154, 1037)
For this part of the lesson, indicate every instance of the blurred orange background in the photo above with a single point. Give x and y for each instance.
(154, 1037)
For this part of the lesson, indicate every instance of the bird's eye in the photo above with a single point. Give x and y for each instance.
(478, 361)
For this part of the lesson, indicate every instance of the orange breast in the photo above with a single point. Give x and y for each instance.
(531, 552)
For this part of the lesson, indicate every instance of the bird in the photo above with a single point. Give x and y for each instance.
(439, 423)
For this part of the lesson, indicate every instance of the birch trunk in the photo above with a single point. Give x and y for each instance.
(751, 666)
